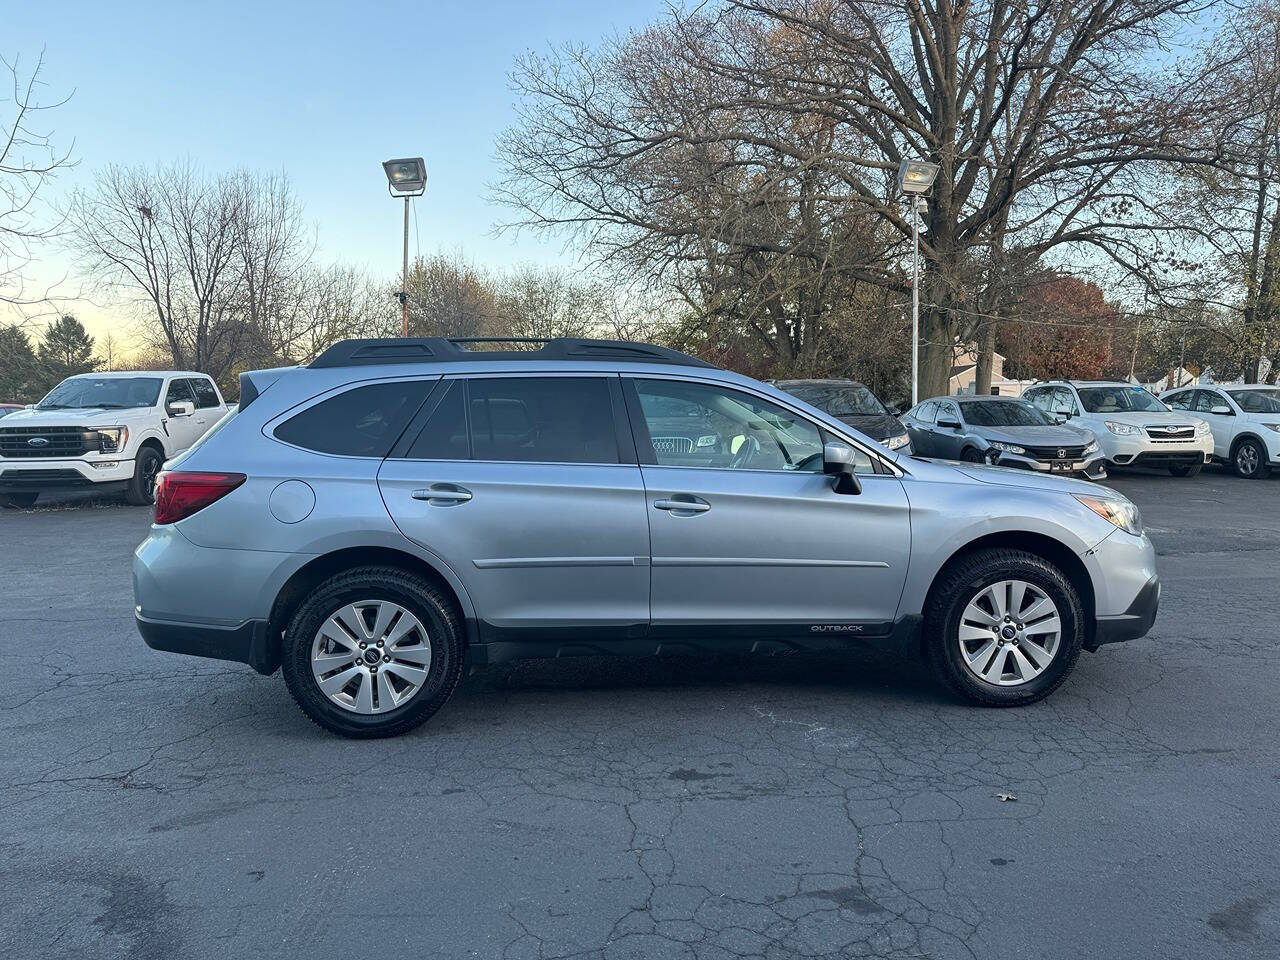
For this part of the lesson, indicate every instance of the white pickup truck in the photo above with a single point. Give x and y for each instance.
(105, 431)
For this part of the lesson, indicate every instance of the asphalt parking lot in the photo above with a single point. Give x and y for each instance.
(157, 807)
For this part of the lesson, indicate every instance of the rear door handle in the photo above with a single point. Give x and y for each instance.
(442, 494)
(689, 506)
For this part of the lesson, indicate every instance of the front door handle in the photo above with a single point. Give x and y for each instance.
(443, 494)
(683, 507)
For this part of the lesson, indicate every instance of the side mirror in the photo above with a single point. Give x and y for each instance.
(949, 424)
(837, 461)
(29, 406)
(1221, 410)
(1062, 416)
(181, 408)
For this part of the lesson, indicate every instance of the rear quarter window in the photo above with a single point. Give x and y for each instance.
(361, 422)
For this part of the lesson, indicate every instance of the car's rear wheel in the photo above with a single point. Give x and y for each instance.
(1250, 460)
(373, 652)
(1003, 627)
(1186, 469)
(142, 486)
(18, 500)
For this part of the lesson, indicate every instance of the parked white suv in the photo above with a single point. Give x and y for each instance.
(108, 431)
(1245, 420)
(1131, 425)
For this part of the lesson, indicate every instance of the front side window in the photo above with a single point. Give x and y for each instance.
(725, 429)
(927, 412)
(178, 392)
(1120, 400)
(1258, 400)
(363, 422)
(542, 419)
(109, 393)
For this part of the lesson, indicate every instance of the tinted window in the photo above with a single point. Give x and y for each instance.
(445, 435)
(206, 396)
(1004, 413)
(178, 391)
(363, 422)
(726, 429)
(542, 419)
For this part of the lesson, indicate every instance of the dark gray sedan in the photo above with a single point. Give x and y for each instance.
(1004, 431)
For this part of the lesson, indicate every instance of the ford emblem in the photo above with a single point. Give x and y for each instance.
(37, 442)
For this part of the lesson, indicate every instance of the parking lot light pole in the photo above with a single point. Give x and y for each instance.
(406, 178)
(915, 177)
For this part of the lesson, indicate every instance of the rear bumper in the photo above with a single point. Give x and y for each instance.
(247, 643)
(1135, 622)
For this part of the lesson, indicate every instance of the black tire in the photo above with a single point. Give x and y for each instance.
(971, 455)
(18, 501)
(958, 584)
(1186, 469)
(1249, 460)
(142, 487)
(428, 602)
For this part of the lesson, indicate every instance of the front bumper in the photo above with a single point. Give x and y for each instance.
(35, 476)
(1135, 622)
(1136, 451)
(1093, 466)
(246, 643)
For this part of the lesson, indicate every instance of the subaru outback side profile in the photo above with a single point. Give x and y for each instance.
(370, 522)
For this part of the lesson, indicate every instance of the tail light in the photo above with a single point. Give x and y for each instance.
(179, 494)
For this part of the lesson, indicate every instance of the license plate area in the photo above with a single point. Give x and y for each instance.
(1060, 466)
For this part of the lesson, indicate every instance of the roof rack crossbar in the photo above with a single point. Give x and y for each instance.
(352, 353)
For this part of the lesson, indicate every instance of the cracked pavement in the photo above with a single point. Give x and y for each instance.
(156, 806)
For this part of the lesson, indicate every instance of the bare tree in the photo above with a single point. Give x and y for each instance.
(29, 160)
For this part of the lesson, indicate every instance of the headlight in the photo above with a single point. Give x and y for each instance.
(901, 440)
(1091, 448)
(1008, 447)
(1202, 428)
(708, 441)
(1120, 512)
(112, 439)
(1123, 429)
(1273, 426)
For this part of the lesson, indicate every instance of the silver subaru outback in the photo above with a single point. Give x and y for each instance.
(372, 522)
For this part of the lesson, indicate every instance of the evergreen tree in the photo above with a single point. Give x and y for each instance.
(66, 350)
(19, 372)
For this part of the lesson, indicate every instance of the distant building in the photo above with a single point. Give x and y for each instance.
(964, 374)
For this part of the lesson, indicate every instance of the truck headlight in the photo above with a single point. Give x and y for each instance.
(1008, 447)
(1120, 512)
(1091, 448)
(112, 439)
(1123, 429)
(900, 441)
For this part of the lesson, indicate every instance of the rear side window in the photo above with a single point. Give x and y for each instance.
(206, 396)
(542, 419)
(363, 422)
(445, 435)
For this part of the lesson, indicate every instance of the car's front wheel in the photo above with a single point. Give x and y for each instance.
(142, 486)
(373, 652)
(1250, 460)
(1003, 627)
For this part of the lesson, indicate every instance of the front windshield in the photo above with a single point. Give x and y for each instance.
(847, 400)
(1004, 413)
(1120, 400)
(1258, 400)
(112, 393)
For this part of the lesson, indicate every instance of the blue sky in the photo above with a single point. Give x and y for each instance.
(323, 90)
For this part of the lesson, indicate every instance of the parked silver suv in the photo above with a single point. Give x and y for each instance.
(371, 521)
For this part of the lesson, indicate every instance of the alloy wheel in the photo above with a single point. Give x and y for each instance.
(371, 656)
(1009, 633)
(1247, 459)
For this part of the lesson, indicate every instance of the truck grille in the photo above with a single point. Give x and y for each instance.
(25, 442)
(1056, 453)
(1171, 432)
(673, 444)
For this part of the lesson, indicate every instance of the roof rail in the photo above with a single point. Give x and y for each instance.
(355, 353)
